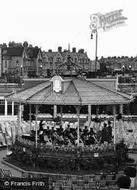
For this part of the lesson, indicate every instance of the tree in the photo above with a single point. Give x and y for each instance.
(25, 44)
(4, 45)
(11, 44)
(124, 182)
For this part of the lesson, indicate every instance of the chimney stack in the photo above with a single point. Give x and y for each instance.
(60, 49)
(74, 50)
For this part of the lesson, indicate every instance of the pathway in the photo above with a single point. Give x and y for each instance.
(13, 171)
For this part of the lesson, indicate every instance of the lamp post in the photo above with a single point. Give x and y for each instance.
(123, 69)
(133, 84)
(21, 75)
(96, 51)
(41, 69)
(96, 48)
(130, 67)
(94, 26)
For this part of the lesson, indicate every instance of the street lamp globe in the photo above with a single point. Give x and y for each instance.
(130, 67)
(123, 66)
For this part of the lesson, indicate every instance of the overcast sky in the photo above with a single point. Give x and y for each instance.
(52, 23)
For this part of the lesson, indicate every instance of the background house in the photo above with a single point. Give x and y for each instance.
(33, 65)
(12, 60)
(19, 60)
(52, 60)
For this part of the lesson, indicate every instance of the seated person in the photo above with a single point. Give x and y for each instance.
(104, 133)
(45, 138)
(60, 130)
(85, 131)
(74, 132)
(90, 140)
(41, 125)
(66, 141)
(41, 136)
(91, 131)
(79, 142)
(48, 131)
(109, 132)
(60, 140)
(49, 142)
(52, 130)
(67, 131)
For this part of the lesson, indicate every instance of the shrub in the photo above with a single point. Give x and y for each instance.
(130, 171)
(124, 182)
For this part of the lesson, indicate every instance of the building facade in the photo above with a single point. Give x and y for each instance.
(118, 64)
(33, 63)
(27, 61)
(21, 61)
(53, 60)
(12, 60)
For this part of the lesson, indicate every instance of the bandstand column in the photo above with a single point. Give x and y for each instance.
(97, 110)
(78, 117)
(61, 108)
(12, 108)
(6, 107)
(89, 113)
(114, 125)
(36, 126)
(55, 111)
(121, 109)
(37, 72)
(30, 116)
(19, 119)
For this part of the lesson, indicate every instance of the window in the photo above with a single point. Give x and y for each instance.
(15, 109)
(9, 111)
(6, 64)
(2, 107)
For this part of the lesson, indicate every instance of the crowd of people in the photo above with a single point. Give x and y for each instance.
(66, 134)
(50, 132)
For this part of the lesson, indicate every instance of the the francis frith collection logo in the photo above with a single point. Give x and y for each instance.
(107, 21)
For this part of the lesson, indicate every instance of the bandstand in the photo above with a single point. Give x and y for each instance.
(74, 91)
(66, 88)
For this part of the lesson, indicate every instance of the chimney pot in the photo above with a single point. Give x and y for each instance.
(74, 50)
(59, 49)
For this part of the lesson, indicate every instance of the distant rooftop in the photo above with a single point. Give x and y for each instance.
(13, 51)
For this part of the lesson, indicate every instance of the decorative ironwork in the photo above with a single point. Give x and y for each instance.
(69, 68)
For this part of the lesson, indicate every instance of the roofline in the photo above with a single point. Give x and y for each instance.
(110, 102)
(101, 79)
(77, 91)
(38, 92)
(63, 103)
(110, 90)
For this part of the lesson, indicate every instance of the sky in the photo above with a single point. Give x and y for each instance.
(52, 23)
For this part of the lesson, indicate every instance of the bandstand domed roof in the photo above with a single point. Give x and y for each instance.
(74, 91)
